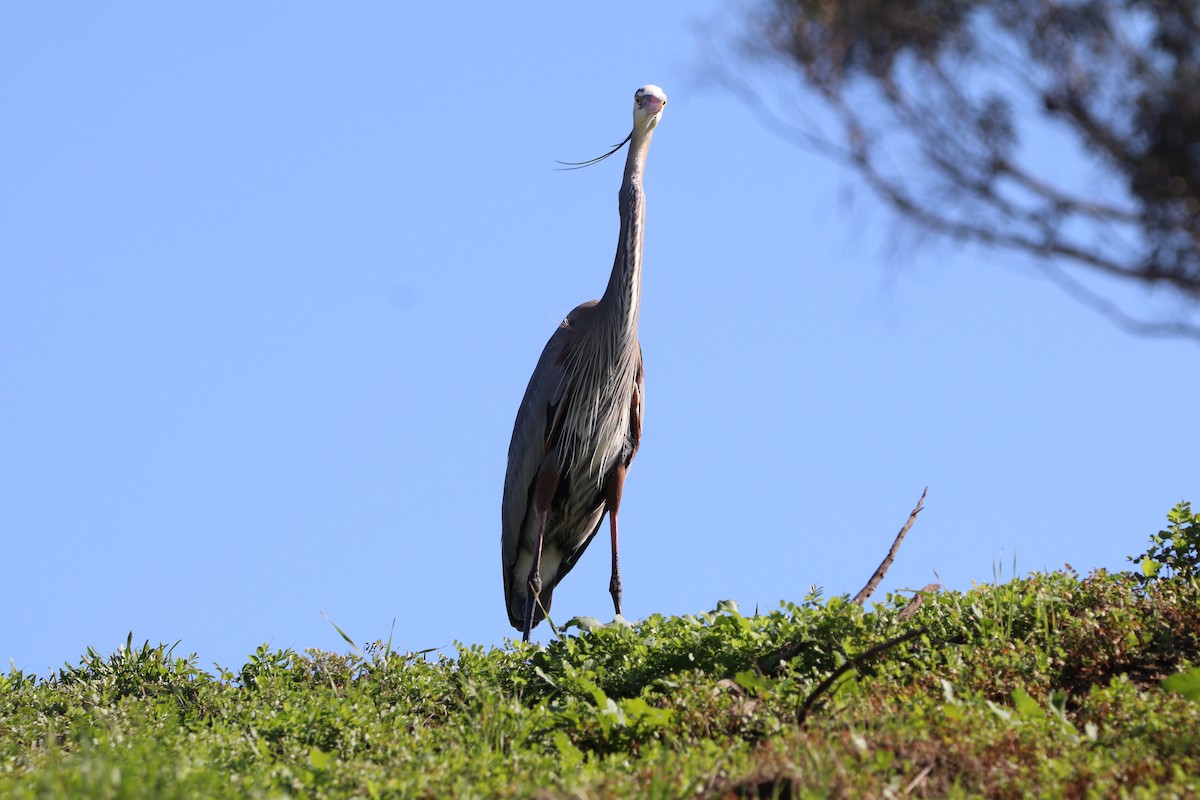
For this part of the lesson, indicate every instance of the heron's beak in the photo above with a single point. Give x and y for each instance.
(652, 107)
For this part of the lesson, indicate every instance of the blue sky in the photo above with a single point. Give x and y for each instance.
(273, 278)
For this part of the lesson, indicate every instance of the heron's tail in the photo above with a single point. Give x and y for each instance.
(516, 605)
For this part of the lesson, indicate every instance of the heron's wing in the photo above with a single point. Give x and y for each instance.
(535, 434)
(637, 407)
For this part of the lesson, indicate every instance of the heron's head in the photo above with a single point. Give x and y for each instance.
(648, 104)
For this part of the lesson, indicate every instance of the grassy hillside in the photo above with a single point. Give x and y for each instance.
(1053, 685)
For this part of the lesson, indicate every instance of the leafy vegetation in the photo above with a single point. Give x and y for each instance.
(1176, 549)
(1054, 684)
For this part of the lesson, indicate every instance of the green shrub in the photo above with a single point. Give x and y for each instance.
(1052, 684)
(1175, 551)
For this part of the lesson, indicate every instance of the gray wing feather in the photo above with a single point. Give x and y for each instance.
(545, 399)
(635, 436)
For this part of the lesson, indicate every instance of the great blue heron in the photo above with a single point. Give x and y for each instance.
(579, 423)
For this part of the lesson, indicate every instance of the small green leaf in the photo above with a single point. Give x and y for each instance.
(598, 696)
(635, 706)
(585, 623)
(752, 681)
(569, 756)
(1184, 683)
(541, 674)
(319, 758)
(345, 635)
(638, 712)
(1026, 706)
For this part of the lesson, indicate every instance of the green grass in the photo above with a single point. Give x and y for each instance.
(1050, 685)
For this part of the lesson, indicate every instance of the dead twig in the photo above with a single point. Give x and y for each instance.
(917, 601)
(917, 781)
(853, 663)
(873, 584)
(772, 662)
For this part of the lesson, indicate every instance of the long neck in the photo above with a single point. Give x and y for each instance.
(622, 300)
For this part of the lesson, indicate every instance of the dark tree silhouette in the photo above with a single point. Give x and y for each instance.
(933, 97)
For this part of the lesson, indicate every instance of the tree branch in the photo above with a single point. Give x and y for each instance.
(918, 600)
(1114, 314)
(945, 97)
(1079, 205)
(853, 663)
(873, 584)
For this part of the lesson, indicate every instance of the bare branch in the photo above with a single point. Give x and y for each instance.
(980, 232)
(1068, 102)
(941, 82)
(918, 600)
(1092, 208)
(853, 663)
(873, 584)
(1118, 317)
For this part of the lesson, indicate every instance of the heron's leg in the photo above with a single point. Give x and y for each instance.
(543, 497)
(614, 583)
(613, 488)
(533, 586)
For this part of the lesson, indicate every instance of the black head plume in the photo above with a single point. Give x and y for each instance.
(566, 165)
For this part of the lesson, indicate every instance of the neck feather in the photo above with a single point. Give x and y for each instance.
(621, 302)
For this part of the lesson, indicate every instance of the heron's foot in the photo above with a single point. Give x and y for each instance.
(614, 588)
(532, 591)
